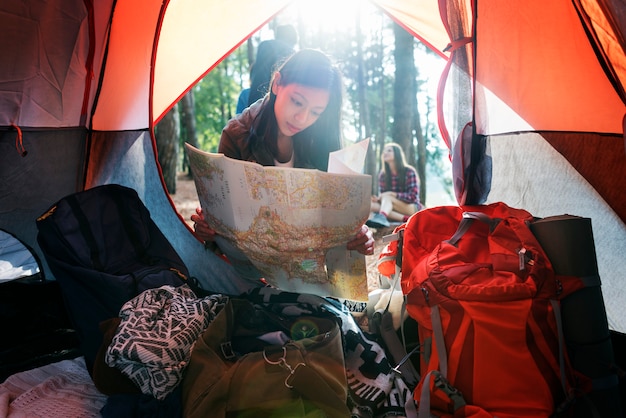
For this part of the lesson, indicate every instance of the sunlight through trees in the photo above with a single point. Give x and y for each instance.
(361, 39)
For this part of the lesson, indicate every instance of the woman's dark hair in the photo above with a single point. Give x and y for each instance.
(310, 68)
(401, 165)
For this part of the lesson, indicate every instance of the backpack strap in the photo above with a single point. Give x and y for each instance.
(382, 323)
(439, 340)
(395, 347)
(441, 383)
(85, 229)
(468, 220)
(129, 227)
(556, 307)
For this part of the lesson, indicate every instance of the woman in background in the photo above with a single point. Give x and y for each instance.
(398, 187)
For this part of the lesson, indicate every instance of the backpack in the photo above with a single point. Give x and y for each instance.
(253, 362)
(103, 248)
(486, 300)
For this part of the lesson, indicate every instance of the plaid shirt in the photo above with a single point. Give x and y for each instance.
(411, 191)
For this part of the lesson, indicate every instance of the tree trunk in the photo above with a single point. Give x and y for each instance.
(404, 88)
(407, 124)
(188, 115)
(365, 126)
(167, 135)
(381, 126)
(251, 52)
(420, 161)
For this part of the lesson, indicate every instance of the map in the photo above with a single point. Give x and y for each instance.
(290, 224)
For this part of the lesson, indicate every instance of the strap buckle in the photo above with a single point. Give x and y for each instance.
(282, 362)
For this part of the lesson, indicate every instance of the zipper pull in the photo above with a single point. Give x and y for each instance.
(522, 259)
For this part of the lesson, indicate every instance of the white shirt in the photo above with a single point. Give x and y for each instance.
(288, 164)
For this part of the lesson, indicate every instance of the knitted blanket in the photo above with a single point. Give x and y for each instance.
(62, 389)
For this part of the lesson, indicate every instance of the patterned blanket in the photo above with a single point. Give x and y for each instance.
(158, 328)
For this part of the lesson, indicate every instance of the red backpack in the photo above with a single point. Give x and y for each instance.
(486, 301)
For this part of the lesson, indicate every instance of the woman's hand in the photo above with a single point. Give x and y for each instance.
(363, 241)
(201, 228)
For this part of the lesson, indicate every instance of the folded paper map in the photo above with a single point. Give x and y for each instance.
(289, 226)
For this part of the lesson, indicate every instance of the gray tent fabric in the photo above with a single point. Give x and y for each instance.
(518, 174)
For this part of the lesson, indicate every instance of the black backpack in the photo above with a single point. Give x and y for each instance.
(103, 248)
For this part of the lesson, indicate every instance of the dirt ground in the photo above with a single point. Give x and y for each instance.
(186, 200)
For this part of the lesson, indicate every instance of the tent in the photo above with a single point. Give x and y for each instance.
(82, 84)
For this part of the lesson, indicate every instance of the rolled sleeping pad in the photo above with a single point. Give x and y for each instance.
(569, 244)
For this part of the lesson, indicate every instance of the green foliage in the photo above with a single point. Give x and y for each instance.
(216, 99)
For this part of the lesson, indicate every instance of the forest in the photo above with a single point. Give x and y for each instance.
(390, 81)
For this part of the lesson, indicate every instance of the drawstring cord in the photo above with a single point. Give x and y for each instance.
(19, 143)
